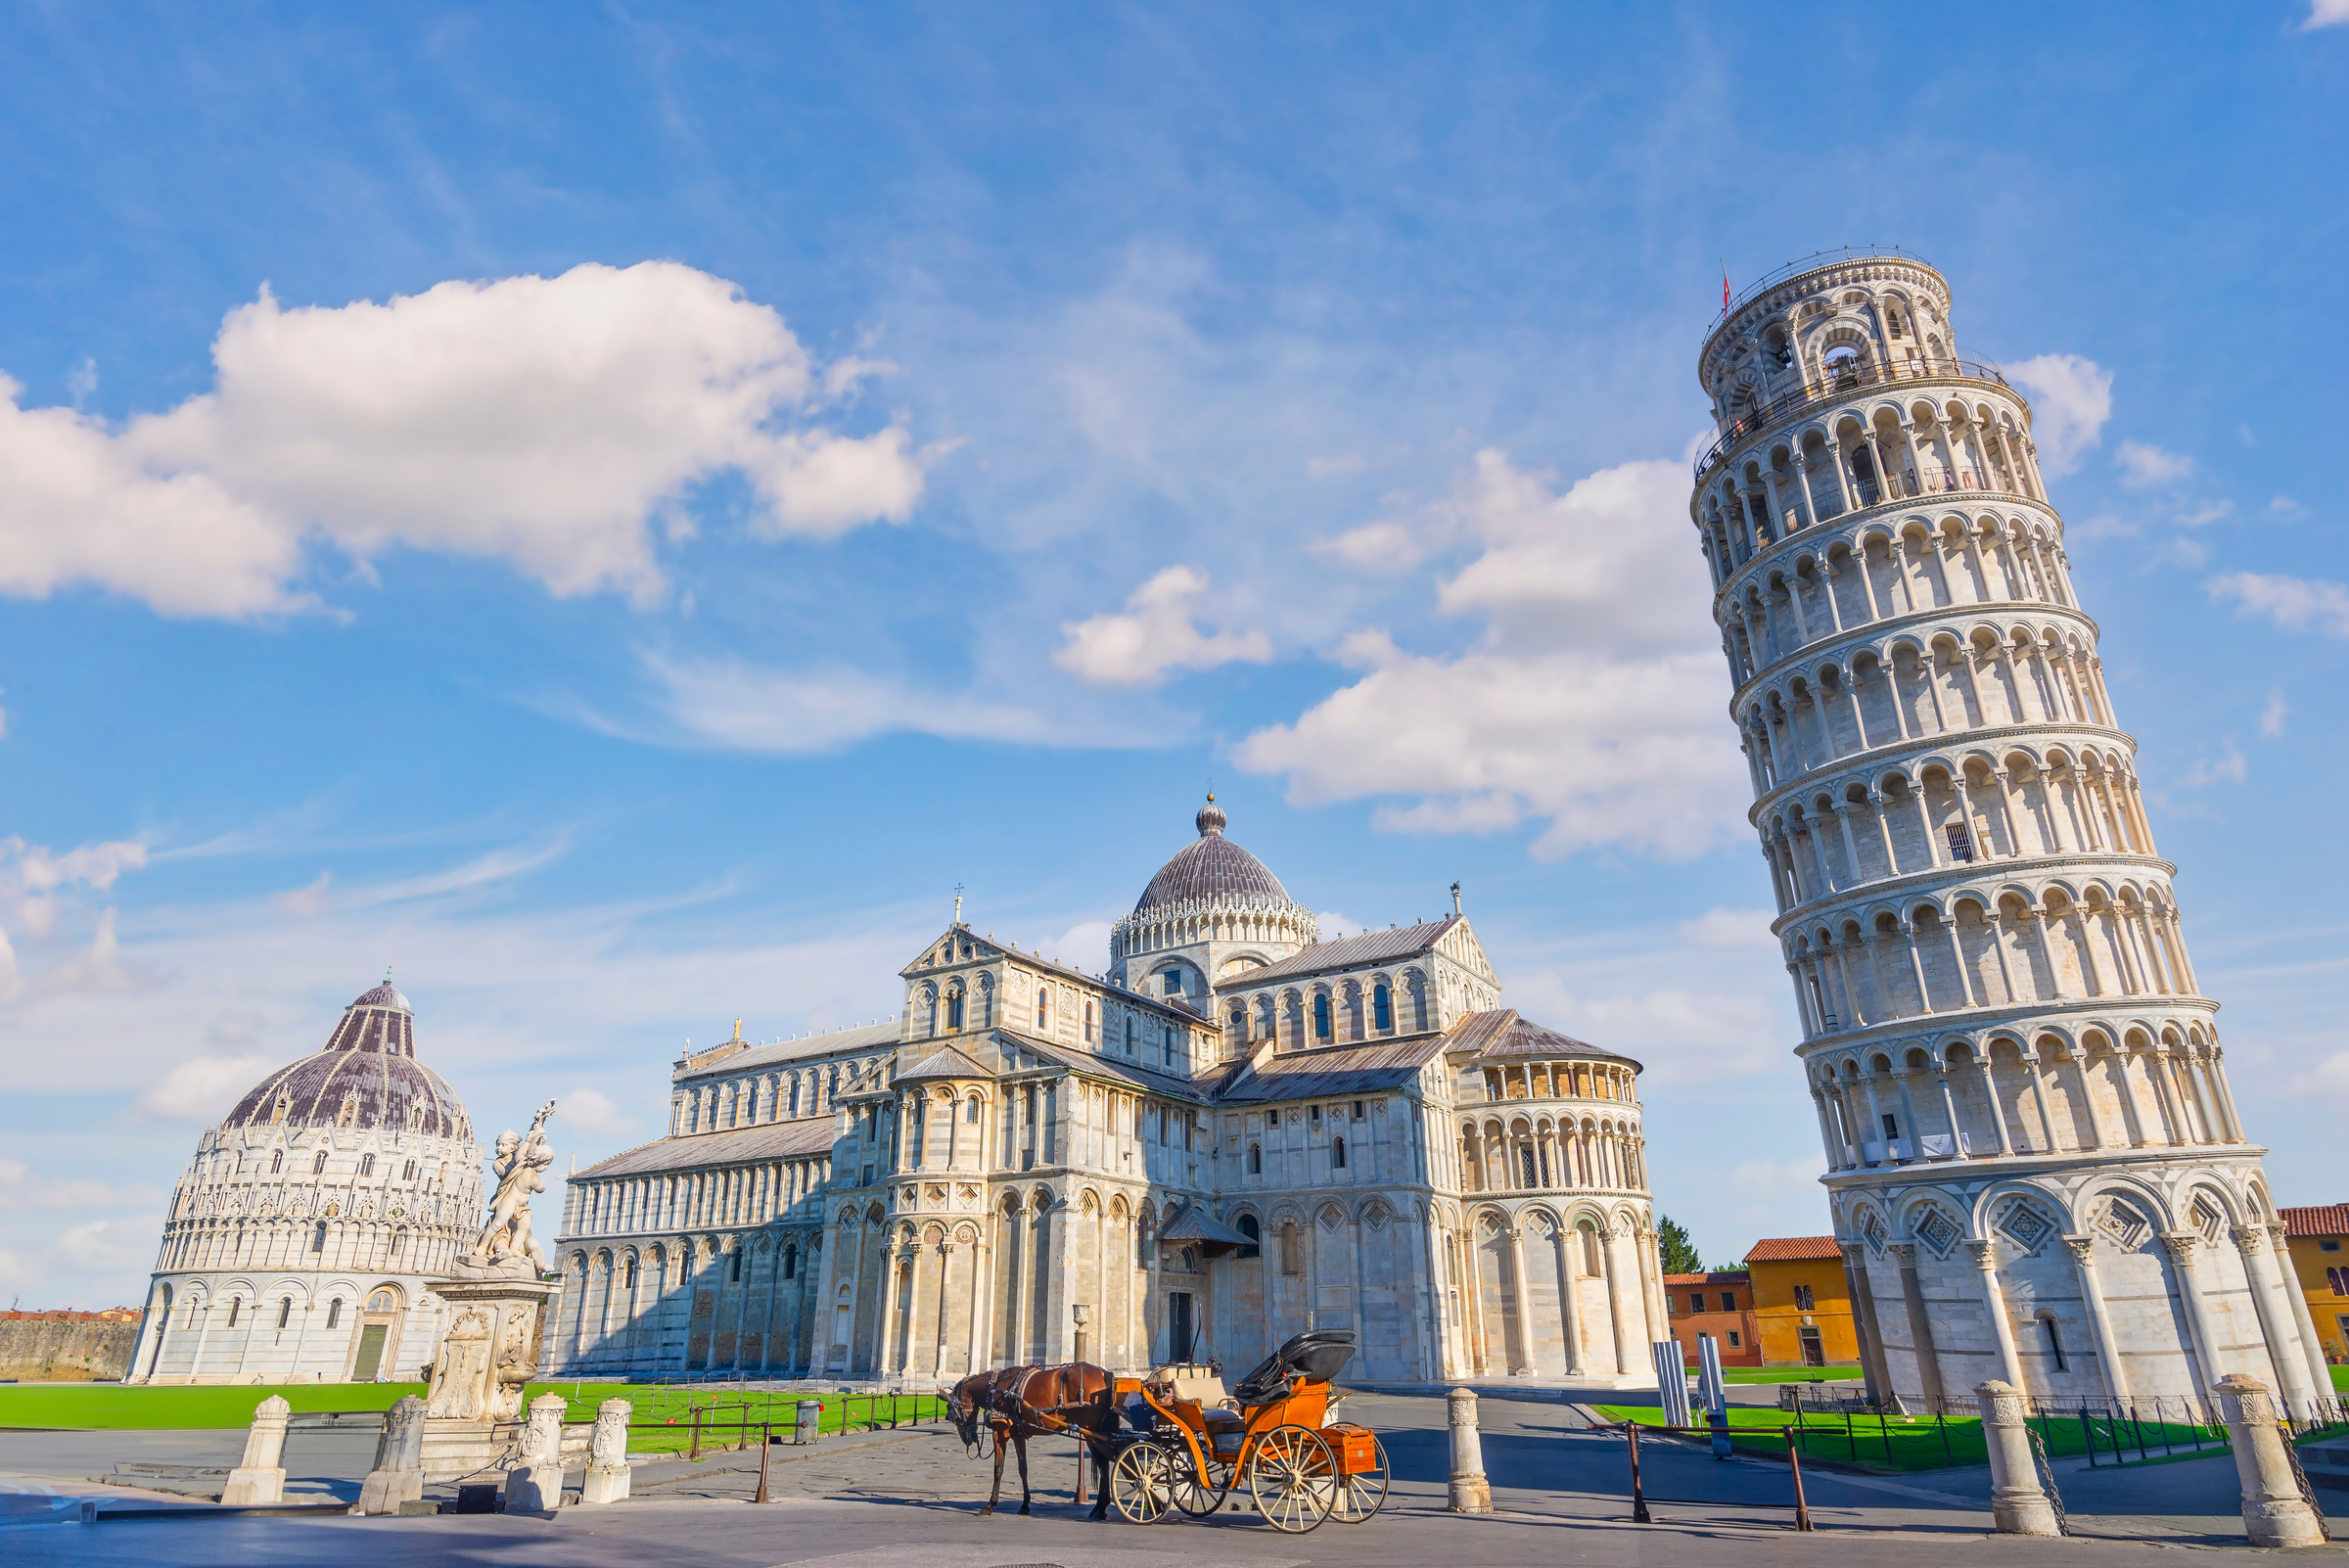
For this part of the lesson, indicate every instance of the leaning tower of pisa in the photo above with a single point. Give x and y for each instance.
(2034, 1165)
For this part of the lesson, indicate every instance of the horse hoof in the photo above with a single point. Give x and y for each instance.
(1023, 1508)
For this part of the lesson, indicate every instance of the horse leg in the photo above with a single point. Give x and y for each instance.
(1020, 1440)
(1100, 1481)
(997, 1491)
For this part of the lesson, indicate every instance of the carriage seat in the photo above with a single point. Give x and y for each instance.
(1197, 1396)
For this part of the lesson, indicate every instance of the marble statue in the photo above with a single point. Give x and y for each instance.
(507, 1249)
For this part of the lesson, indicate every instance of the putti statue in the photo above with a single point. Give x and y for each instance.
(506, 1249)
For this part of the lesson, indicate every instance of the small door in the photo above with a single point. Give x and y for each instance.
(697, 1332)
(371, 1354)
(1814, 1353)
(1178, 1326)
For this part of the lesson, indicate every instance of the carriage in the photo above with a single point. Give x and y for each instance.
(1190, 1443)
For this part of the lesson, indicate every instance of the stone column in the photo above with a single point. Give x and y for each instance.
(2099, 1319)
(398, 1473)
(1863, 1322)
(2275, 1513)
(945, 1281)
(1986, 1259)
(983, 1300)
(1920, 1322)
(1469, 1491)
(1611, 1236)
(2016, 1500)
(2275, 1326)
(608, 1473)
(1523, 1349)
(2314, 1348)
(2181, 1245)
(535, 1484)
(261, 1476)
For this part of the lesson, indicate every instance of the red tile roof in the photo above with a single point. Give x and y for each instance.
(2323, 1220)
(1793, 1249)
(1719, 1276)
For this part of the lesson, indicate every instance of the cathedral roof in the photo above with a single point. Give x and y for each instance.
(1503, 1033)
(1212, 869)
(946, 1062)
(365, 1077)
(808, 1047)
(1350, 952)
(770, 1140)
(1333, 1072)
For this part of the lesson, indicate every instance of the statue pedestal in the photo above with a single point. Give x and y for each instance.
(472, 1410)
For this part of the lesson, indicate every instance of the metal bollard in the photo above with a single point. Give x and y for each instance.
(2275, 1513)
(1672, 1381)
(1470, 1493)
(1716, 1398)
(2017, 1502)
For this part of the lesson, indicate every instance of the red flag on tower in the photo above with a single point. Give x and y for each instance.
(1724, 287)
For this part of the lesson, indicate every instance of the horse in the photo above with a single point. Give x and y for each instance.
(1017, 1403)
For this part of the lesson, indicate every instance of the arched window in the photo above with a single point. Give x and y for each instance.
(629, 1273)
(1382, 1007)
(970, 1110)
(318, 1237)
(1254, 1247)
(366, 1165)
(1043, 1009)
(1239, 1019)
(1129, 1037)
(1337, 1154)
(954, 1010)
(1170, 1045)
(318, 1165)
(734, 1267)
(1292, 1258)
(1089, 1021)
(334, 1312)
(795, 1095)
(1525, 1166)
(277, 1162)
(285, 1311)
(1321, 1015)
(2047, 1323)
(234, 1303)
(791, 1257)
(1256, 1164)
(382, 1301)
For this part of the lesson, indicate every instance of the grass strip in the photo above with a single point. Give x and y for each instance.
(1902, 1443)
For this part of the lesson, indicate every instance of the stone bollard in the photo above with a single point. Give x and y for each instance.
(2275, 1513)
(1470, 1493)
(398, 1473)
(536, 1484)
(2017, 1502)
(607, 1479)
(260, 1478)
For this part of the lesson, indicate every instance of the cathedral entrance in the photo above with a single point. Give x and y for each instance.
(1180, 1326)
(371, 1354)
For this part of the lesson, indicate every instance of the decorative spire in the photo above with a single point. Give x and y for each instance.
(958, 904)
(737, 1032)
(1211, 818)
(1455, 897)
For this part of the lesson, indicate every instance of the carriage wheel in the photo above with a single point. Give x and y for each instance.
(1363, 1491)
(1195, 1491)
(1293, 1478)
(1141, 1483)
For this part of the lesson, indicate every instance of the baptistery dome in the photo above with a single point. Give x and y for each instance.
(366, 1075)
(303, 1236)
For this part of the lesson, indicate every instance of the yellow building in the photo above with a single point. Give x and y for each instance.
(2319, 1239)
(1802, 1305)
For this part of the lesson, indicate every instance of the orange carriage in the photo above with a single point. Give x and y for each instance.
(1190, 1444)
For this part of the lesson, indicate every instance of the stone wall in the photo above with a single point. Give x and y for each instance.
(55, 1348)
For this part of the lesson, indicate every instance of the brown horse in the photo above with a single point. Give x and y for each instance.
(1017, 1403)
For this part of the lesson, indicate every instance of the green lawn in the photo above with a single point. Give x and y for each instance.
(726, 1412)
(2340, 1377)
(1919, 1442)
(1789, 1374)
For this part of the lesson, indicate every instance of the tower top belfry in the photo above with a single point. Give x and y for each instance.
(2020, 1083)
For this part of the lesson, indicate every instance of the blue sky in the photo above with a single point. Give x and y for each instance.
(616, 513)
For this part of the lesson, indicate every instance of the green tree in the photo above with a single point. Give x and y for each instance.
(1678, 1251)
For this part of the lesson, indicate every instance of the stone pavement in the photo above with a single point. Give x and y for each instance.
(908, 1500)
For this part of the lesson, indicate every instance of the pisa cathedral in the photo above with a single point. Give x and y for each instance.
(1238, 1133)
(2034, 1165)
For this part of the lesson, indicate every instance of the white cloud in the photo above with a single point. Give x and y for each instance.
(2143, 466)
(2228, 767)
(22, 1188)
(1084, 945)
(199, 1091)
(751, 708)
(2271, 717)
(109, 1246)
(544, 422)
(1154, 636)
(1593, 701)
(2071, 398)
(2325, 14)
(585, 1113)
(2328, 1078)
(2296, 604)
(1730, 928)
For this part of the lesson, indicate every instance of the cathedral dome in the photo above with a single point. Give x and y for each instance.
(1212, 869)
(365, 1077)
